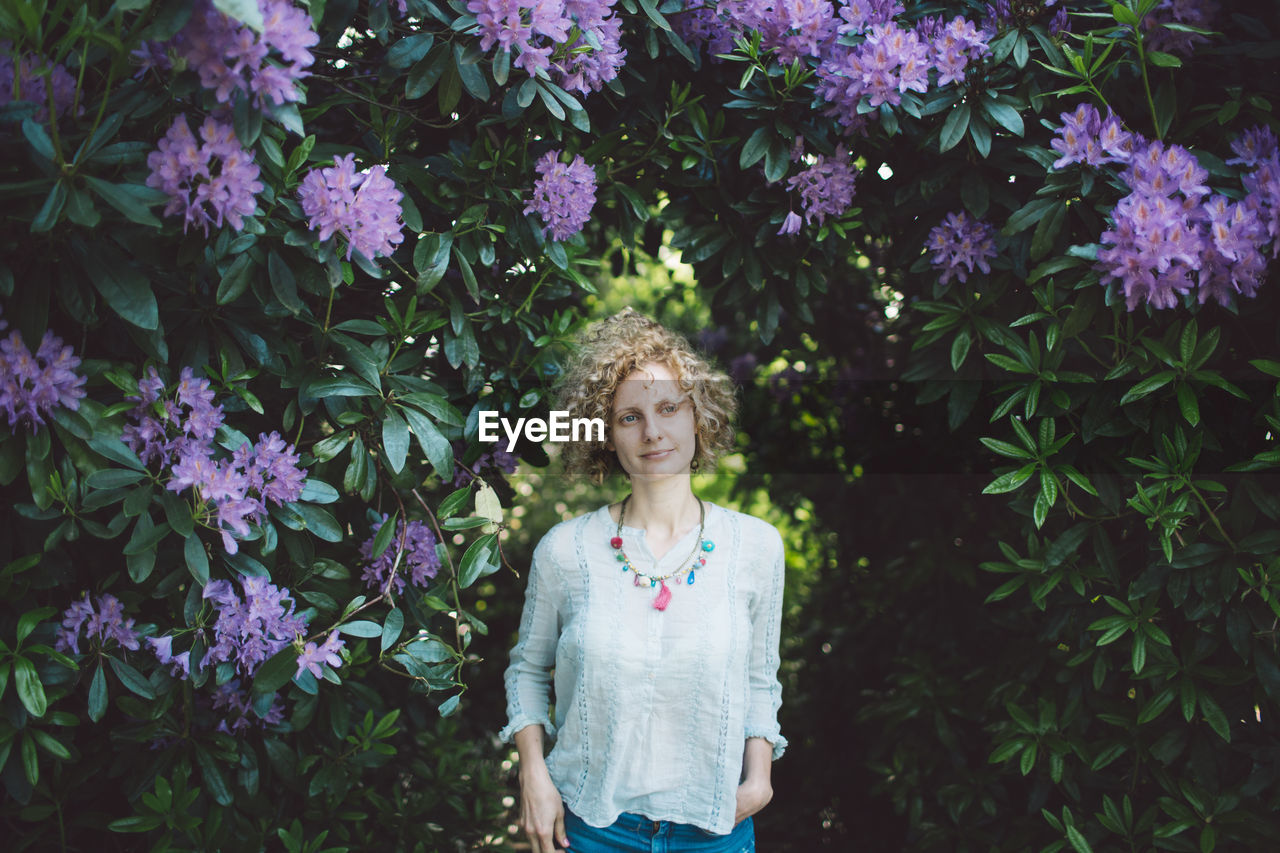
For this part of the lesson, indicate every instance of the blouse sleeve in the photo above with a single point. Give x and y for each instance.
(764, 690)
(528, 676)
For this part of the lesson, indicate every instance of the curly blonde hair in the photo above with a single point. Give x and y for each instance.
(608, 353)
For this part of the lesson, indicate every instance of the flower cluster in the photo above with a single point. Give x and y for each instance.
(230, 57)
(540, 31)
(497, 458)
(1086, 137)
(1169, 234)
(250, 630)
(563, 195)
(364, 207)
(235, 708)
(826, 187)
(102, 623)
(1012, 13)
(1194, 13)
(26, 80)
(793, 28)
(961, 244)
(178, 432)
(419, 556)
(31, 385)
(205, 183)
(1257, 149)
(313, 658)
(863, 54)
(953, 46)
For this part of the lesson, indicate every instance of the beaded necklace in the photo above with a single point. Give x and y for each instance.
(663, 597)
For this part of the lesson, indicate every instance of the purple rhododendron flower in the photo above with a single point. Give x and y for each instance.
(313, 657)
(497, 459)
(30, 78)
(250, 630)
(178, 433)
(203, 194)
(419, 556)
(104, 622)
(364, 207)
(1195, 13)
(32, 385)
(563, 194)
(539, 32)
(961, 244)
(1086, 137)
(791, 224)
(1159, 244)
(230, 57)
(236, 707)
(827, 187)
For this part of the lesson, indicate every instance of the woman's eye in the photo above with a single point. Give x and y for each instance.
(669, 408)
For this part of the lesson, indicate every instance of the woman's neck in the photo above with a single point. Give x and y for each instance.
(664, 507)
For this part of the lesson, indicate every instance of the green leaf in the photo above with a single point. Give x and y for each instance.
(283, 284)
(124, 288)
(213, 778)
(386, 533)
(38, 137)
(1147, 386)
(953, 129)
(478, 557)
(146, 535)
(1005, 116)
(1214, 717)
(51, 744)
(361, 628)
(1078, 841)
(277, 671)
(409, 50)
(753, 150)
(395, 440)
(453, 503)
(132, 200)
(197, 559)
(960, 349)
(135, 681)
(1163, 60)
(436, 447)
(1010, 481)
(30, 690)
(47, 217)
(319, 521)
(98, 694)
(391, 628)
(1004, 448)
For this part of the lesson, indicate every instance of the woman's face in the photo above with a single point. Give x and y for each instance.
(652, 427)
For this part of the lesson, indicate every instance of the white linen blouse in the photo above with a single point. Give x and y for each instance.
(652, 707)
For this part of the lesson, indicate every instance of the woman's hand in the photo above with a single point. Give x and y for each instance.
(753, 795)
(542, 812)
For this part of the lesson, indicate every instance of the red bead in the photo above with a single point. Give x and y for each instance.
(616, 542)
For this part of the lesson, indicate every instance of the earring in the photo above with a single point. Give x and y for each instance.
(694, 465)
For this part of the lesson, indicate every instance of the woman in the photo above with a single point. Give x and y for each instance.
(660, 616)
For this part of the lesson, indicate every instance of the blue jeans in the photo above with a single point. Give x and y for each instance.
(633, 833)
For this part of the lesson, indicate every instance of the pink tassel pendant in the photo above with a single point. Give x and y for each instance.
(663, 599)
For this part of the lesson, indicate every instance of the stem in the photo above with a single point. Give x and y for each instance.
(1212, 515)
(1146, 82)
(453, 579)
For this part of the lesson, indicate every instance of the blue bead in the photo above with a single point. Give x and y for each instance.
(652, 582)
(708, 546)
(690, 577)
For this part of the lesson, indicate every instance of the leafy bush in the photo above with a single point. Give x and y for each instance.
(278, 258)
